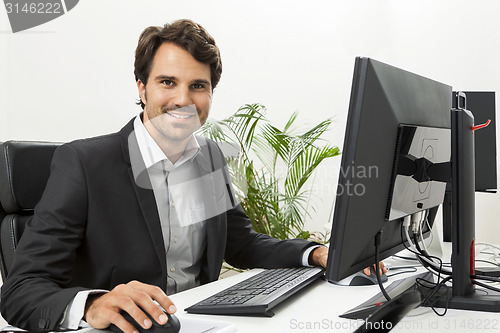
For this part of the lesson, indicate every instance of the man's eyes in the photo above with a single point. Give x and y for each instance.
(194, 86)
(167, 82)
(198, 86)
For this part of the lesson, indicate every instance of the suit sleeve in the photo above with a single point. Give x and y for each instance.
(248, 249)
(39, 285)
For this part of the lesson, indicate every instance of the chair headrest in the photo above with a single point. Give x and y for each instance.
(24, 170)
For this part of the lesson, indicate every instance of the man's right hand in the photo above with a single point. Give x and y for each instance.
(133, 298)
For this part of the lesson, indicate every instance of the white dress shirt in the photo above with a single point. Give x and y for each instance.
(180, 208)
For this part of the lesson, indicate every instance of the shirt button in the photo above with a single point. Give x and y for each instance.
(172, 204)
(172, 269)
(176, 239)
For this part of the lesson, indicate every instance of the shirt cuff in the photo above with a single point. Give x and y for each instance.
(305, 255)
(73, 315)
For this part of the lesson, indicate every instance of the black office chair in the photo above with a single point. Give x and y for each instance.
(24, 170)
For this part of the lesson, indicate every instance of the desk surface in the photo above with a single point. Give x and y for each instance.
(317, 309)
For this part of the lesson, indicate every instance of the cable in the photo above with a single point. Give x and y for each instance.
(424, 220)
(484, 285)
(435, 289)
(404, 257)
(487, 262)
(404, 270)
(424, 257)
(494, 260)
(378, 240)
(488, 245)
(429, 263)
(425, 260)
(415, 221)
(486, 278)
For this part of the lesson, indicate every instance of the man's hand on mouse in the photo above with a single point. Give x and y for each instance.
(382, 268)
(104, 309)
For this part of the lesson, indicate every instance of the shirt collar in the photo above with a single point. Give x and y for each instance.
(154, 156)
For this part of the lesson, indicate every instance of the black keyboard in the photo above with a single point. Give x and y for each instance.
(258, 294)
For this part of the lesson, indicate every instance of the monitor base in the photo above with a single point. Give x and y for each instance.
(481, 300)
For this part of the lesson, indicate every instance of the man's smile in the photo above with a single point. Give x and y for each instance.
(180, 115)
(185, 112)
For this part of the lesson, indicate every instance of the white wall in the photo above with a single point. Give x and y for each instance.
(73, 77)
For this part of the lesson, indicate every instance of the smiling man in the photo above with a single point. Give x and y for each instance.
(131, 217)
(176, 81)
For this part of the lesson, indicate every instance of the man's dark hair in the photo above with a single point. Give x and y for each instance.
(186, 34)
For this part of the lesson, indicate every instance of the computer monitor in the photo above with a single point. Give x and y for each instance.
(483, 107)
(386, 102)
(401, 131)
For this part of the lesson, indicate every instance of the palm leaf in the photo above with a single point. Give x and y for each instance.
(303, 166)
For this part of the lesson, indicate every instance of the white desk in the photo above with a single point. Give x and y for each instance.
(317, 308)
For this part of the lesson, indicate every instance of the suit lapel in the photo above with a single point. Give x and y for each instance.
(140, 182)
(216, 244)
(216, 226)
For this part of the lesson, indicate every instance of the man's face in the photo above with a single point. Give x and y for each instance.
(178, 95)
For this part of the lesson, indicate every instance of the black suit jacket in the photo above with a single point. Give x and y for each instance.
(96, 228)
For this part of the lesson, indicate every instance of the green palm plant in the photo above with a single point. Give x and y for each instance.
(272, 168)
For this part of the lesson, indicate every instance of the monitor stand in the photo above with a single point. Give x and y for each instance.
(464, 294)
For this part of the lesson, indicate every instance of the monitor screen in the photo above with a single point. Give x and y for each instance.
(383, 99)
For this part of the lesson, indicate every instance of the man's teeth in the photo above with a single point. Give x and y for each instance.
(180, 116)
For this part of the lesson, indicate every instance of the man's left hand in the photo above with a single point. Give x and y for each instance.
(319, 256)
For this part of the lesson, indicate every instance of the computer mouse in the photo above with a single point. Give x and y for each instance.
(361, 279)
(173, 325)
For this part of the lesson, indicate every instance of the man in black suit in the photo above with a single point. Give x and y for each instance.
(112, 231)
